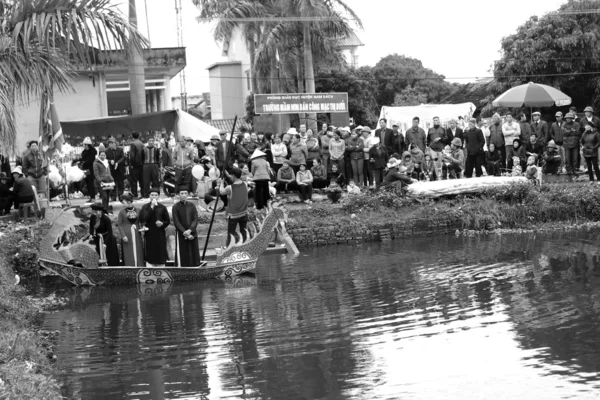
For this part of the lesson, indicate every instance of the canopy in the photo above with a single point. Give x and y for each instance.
(403, 115)
(532, 95)
(177, 121)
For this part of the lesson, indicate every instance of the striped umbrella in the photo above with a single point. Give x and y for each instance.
(532, 95)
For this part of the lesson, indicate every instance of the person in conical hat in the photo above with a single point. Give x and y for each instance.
(261, 176)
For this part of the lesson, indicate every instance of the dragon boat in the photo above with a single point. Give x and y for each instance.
(76, 260)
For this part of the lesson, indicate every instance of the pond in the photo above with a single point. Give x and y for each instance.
(514, 316)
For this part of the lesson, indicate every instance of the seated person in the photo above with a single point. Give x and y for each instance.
(352, 188)
(6, 195)
(520, 153)
(531, 171)
(453, 160)
(304, 180)
(408, 162)
(286, 178)
(22, 188)
(417, 158)
(551, 159)
(534, 148)
(319, 174)
(396, 178)
(336, 176)
(428, 169)
(492, 161)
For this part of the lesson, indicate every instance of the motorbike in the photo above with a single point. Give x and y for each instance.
(169, 181)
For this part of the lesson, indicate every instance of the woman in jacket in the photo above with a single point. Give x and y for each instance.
(128, 223)
(298, 153)
(319, 174)
(493, 159)
(571, 138)
(279, 151)
(102, 176)
(286, 178)
(102, 234)
(88, 156)
(378, 158)
(304, 179)
(337, 149)
(336, 176)
(261, 176)
(354, 148)
(519, 152)
(591, 142)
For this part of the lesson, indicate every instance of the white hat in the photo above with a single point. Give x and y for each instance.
(292, 131)
(87, 140)
(345, 128)
(359, 128)
(257, 153)
(392, 163)
(17, 170)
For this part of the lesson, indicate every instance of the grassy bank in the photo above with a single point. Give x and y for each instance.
(519, 206)
(25, 351)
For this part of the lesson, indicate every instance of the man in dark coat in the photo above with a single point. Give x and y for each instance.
(6, 195)
(5, 165)
(185, 219)
(399, 146)
(540, 128)
(415, 135)
(155, 218)
(474, 144)
(223, 147)
(116, 160)
(136, 163)
(385, 135)
(150, 176)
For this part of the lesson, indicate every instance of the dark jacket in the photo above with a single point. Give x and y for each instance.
(541, 130)
(394, 175)
(389, 139)
(584, 121)
(433, 134)
(556, 133)
(417, 138)
(571, 135)
(536, 148)
(399, 144)
(526, 131)
(493, 156)
(496, 136)
(459, 133)
(590, 142)
(355, 148)
(87, 158)
(136, 151)
(221, 154)
(22, 187)
(379, 157)
(33, 165)
(474, 141)
(116, 155)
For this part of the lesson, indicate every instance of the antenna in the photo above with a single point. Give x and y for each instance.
(180, 44)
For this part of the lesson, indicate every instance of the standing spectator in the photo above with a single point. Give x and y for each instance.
(571, 136)
(319, 174)
(325, 139)
(436, 137)
(324, 130)
(416, 135)
(497, 138)
(35, 168)
(337, 149)
(304, 180)
(102, 175)
(261, 177)
(474, 142)
(116, 160)
(183, 158)
(399, 145)
(87, 158)
(185, 220)
(151, 160)
(354, 148)
(385, 135)
(211, 149)
(540, 128)
(511, 131)
(591, 143)
(242, 150)
(136, 149)
(557, 135)
(378, 158)
(298, 153)
(312, 146)
(454, 161)
(525, 128)
(368, 143)
(452, 132)
(493, 160)
(225, 151)
(589, 117)
(279, 151)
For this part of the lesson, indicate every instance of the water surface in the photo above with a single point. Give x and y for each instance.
(490, 317)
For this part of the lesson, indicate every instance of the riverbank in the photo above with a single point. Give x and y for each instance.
(382, 216)
(25, 350)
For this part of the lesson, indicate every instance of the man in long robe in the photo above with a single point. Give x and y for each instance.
(156, 219)
(185, 219)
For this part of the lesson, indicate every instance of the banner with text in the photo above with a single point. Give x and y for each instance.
(293, 103)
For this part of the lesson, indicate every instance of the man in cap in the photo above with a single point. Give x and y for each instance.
(474, 143)
(151, 158)
(225, 151)
(399, 146)
(136, 163)
(385, 135)
(453, 163)
(589, 117)
(571, 137)
(556, 135)
(540, 128)
(155, 218)
(116, 160)
(183, 160)
(185, 219)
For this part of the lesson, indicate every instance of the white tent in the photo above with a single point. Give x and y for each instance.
(188, 125)
(403, 115)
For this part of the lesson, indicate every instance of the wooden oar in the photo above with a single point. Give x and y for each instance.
(134, 244)
(212, 219)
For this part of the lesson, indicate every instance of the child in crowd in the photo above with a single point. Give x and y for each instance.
(428, 169)
(531, 171)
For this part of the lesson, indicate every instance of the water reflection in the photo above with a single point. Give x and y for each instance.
(512, 316)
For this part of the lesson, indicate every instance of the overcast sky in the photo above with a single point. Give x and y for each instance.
(459, 39)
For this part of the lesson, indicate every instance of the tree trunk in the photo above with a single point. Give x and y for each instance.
(137, 81)
(309, 74)
(274, 78)
(253, 81)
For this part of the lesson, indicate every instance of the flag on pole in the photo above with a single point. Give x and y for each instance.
(51, 135)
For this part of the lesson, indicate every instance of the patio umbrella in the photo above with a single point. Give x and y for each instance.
(532, 95)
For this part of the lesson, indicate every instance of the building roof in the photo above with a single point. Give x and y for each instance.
(473, 92)
(223, 63)
(350, 41)
(227, 124)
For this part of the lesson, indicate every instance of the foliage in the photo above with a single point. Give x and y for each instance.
(249, 118)
(559, 49)
(409, 96)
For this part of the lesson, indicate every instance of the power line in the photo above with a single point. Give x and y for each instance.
(273, 19)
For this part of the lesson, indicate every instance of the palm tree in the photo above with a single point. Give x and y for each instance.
(41, 43)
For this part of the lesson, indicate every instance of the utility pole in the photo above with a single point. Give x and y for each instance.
(180, 44)
(137, 78)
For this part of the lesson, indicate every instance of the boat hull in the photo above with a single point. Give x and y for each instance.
(150, 275)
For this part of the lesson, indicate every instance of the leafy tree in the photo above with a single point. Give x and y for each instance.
(409, 96)
(559, 49)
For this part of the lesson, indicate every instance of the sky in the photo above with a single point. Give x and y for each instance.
(458, 39)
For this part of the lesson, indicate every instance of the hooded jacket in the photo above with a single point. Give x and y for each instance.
(571, 135)
(408, 162)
